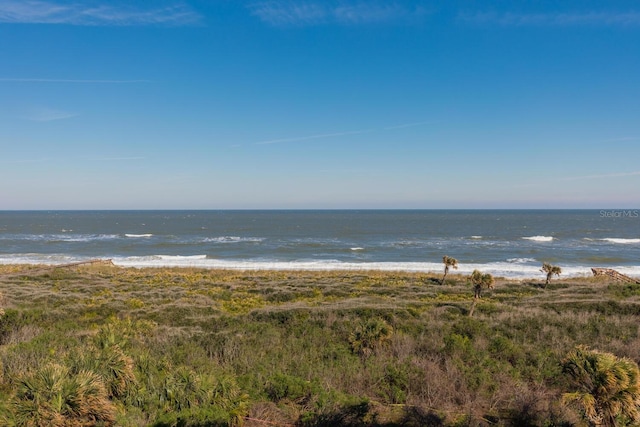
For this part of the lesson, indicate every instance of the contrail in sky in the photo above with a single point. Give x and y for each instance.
(408, 125)
(625, 139)
(336, 134)
(305, 138)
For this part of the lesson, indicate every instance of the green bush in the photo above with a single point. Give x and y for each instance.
(282, 386)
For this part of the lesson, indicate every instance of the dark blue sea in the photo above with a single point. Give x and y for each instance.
(509, 243)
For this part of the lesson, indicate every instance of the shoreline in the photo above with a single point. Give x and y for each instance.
(464, 270)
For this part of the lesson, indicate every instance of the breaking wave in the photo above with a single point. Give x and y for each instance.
(621, 241)
(539, 238)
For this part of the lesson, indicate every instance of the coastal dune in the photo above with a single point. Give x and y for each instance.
(307, 347)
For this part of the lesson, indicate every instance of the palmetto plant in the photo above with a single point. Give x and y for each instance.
(448, 262)
(182, 389)
(370, 335)
(54, 396)
(550, 271)
(225, 393)
(112, 365)
(607, 388)
(186, 391)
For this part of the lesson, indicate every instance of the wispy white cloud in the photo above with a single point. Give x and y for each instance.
(345, 133)
(318, 136)
(307, 13)
(29, 80)
(45, 114)
(83, 13)
(116, 157)
(120, 159)
(280, 13)
(631, 18)
(408, 125)
(21, 161)
(368, 12)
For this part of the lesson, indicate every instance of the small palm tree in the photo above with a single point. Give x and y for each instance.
(550, 270)
(448, 262)
(607, 387)
(369, 336)
(480, 280)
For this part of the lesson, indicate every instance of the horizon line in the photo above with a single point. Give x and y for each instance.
(315, 209)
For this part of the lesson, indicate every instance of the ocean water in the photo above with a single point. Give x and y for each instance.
(509, 243)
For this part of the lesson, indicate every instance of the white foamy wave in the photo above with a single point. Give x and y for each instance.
(476, 237)
(232, 239)
(621, 241)
(59, 237)
(521, 260)
(523, 271)
(539, 238)
(162, 261)
(40, 259)
(181, 257)
(405, 243)
(357, 249)
(82, 237)
(138, 235)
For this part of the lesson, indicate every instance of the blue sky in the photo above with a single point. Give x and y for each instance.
(216, 104)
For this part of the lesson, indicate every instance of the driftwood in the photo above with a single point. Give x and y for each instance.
(613, 274)
(91, 261)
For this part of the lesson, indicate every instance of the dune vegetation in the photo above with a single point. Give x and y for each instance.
(104, 346)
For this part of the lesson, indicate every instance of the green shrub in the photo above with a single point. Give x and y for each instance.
(395, 384)
(10, 321)
(282, 386)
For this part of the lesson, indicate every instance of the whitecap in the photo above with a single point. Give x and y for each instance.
(181, 257)
(620, 241)
(357, 249)
(521, 260)
(407, 243)
(138, 235)
(40, 259)
(539, 238)
(232, 239)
